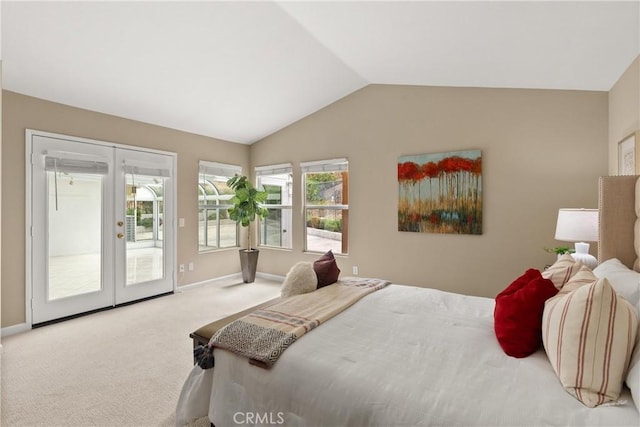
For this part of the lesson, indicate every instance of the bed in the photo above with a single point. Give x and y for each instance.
(405, 356)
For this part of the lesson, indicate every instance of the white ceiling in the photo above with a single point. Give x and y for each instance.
(240, 71)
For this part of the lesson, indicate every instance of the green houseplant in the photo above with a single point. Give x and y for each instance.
(246, 207)
(560, 250)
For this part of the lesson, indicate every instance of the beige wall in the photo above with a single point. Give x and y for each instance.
(0, 196)
(542, 150)
(22, 112)
(624, 110)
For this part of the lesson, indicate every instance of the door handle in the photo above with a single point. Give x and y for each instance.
(120, 235)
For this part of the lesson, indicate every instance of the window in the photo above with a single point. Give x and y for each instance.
(326, 205)
(215, 229)
(276, 180)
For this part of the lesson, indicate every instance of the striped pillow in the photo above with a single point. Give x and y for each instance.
(584, 276)
(589, 334)
(633, 376)
(562, 270)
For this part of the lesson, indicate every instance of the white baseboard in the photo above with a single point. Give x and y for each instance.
(218, 281)
(269, 276)
(15, 329)
(224, 280)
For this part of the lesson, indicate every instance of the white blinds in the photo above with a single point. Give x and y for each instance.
(334, 165)
(147, 171)
(67, 165)
(220, 169)
(279, 169)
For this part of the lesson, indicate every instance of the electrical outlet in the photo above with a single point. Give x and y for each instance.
(355, 270)
(190, 266)
(181, 268)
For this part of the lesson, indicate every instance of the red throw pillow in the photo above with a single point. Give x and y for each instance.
(518, 313)
(520, 282)
(326, 269)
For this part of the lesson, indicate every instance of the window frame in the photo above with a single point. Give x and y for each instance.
(328, 166)
(219, 170)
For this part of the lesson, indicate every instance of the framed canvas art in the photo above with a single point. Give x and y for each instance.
(440, 192)
(628, 155)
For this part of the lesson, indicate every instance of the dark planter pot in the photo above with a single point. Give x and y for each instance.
(249, 264)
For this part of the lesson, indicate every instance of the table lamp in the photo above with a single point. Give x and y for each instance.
(579, 226)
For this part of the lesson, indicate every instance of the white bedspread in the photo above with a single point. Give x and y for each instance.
(402, 356)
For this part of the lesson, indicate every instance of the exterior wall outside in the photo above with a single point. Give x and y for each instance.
(22, 112)
(624, 110)
(542, 150)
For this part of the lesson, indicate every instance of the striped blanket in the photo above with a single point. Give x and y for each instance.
(263, 335)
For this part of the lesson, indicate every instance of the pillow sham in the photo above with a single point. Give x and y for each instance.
(624, 280)
(300, 279)
(588, 335)
(583, 277)
(518, 313)
(562, 270)
(326, 269)
(633, 375)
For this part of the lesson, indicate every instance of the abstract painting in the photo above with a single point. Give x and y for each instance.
(441, 192)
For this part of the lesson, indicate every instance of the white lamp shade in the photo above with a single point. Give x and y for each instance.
(577, 225)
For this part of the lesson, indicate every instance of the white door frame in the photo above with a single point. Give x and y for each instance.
(44, 307)
(29, 134)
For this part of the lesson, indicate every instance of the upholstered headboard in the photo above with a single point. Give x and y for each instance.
(619, 235)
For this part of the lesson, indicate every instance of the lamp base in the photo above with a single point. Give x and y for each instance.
(582, 254)
(587, 259)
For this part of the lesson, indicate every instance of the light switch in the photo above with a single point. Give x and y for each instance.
(180, 222)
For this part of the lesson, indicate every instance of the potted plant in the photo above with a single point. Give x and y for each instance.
(560, 250)
(246, 207)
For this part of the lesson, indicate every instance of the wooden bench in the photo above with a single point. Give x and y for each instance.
(202, 335)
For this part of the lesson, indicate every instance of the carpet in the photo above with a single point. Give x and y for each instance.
(120, 367)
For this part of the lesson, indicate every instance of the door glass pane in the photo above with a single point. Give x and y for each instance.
(143, 229)
(74, 234)
(271, 227)
(275, 229)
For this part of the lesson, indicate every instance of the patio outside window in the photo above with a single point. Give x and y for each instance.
(326, 205)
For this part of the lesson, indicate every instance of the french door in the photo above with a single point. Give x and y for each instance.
(101, 227)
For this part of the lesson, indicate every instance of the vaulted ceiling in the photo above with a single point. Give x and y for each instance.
(240, 71)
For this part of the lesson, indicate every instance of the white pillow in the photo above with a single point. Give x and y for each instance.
(624, 281)
(300, 279)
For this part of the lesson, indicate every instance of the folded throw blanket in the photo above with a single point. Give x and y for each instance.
(263, 335)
